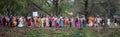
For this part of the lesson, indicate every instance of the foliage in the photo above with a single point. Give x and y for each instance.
(48, 7)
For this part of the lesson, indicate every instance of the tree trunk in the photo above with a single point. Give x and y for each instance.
(86, 7)
(55, 3)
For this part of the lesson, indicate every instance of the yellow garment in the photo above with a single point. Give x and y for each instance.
(13, 22)
(40, 23)
(91, 19)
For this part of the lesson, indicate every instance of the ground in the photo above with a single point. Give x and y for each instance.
(59, 32)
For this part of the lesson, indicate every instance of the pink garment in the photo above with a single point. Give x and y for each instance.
(47, 22)
(77, 24)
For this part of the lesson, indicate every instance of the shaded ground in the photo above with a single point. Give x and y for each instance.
(59, 32)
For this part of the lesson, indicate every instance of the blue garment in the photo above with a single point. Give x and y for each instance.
(84, 23)
(50, 22)
(10, 21)
(26, 19)
(61, 23)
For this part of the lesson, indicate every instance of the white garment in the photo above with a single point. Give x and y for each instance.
(115, 24)
(42, 21)
(58, 20)
(20, 23)
(98, 20)
(108, 21)
(90, 24)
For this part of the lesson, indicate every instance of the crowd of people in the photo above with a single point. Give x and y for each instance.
(54, 21)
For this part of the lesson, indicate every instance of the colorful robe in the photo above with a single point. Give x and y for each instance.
(61, 23)
(91, 21)
(47, 22)
(77, 23)
(14, 23)
(57, 22)
(29, 22)
(50, 21)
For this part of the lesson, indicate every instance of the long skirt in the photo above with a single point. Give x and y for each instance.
(77, 24)
(29, 23)
(47, 24)
(14, 24)
(61, 24)
(53, 23)
(50, 24)
(84, 23)
(70, 24)
(20, 24)
(57, 25)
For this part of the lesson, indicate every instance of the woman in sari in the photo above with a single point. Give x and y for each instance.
(39, 22)
(61, 23)
(77, 22)
(29, 21)
(47, 22)
(14, 23)
(69, 22)
(57, 22)
(91, 21)
(4, 21)
(50, 21)
(21, 21)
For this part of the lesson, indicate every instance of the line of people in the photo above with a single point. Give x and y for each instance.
(52, 21)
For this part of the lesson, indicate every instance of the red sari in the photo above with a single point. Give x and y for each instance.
(29, 22)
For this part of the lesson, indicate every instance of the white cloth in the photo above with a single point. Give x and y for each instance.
(20, 23)
(108, 21)
(90, 24)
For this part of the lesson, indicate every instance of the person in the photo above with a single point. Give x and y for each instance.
(1, 21)
(39, 22)
(108, 22)
(61, 23)
(102, 21)
(47, 22)
(10, 20)
(50, 21)
(91, 21)
(73, 22)
(67, 22)
(57, 22)
(29, 21)
(14, 23)
(77, 22)
(70, 22)
(4, 21)
(43, 22)
(97, 21)
(21, 22)
(35, 21)
(17, 20)
(115, 22)
(53, 21)
(83, 21)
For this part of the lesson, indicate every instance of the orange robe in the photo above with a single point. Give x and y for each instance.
(14, 23)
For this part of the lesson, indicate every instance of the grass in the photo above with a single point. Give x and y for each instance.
(58, 32)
